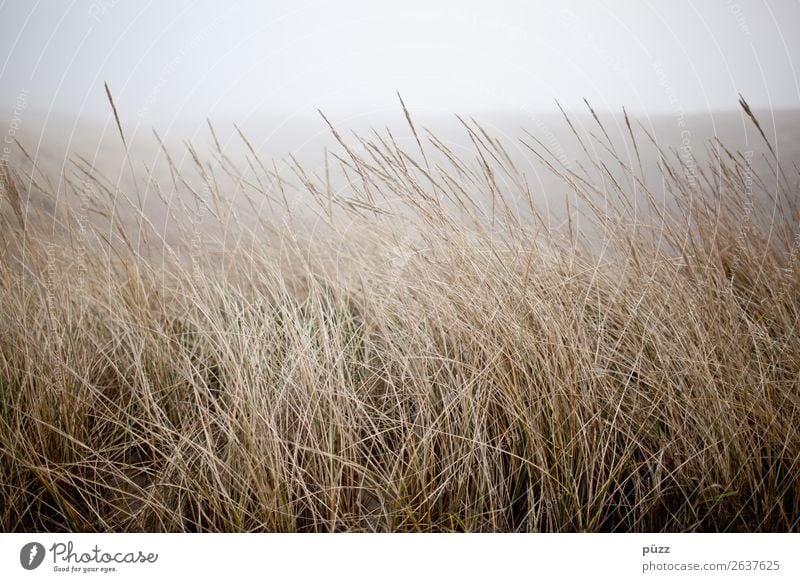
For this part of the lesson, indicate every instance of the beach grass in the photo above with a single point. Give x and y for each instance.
(417, 347)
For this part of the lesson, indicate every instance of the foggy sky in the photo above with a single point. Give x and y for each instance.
(239, 60)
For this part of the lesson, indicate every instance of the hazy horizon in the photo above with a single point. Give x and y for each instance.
(187, 61)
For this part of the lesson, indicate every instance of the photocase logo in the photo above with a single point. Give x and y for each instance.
(31, 555)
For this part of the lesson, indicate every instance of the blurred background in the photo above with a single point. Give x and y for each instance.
(167, 61)
(268, 66)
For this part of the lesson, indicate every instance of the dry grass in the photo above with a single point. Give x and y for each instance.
(415, 351)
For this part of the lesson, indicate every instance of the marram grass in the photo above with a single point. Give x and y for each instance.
(413, 350)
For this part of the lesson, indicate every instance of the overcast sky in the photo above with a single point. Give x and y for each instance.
(238, 60)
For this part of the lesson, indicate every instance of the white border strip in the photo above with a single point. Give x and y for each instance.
(407, 557)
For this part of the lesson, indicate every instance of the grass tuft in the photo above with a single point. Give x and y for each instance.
(414, 349)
